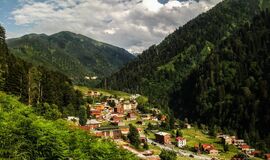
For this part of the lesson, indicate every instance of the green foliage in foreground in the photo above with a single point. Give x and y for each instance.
(24, 135)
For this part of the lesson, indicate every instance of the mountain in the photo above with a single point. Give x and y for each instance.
(36, 85)
(231, 88)
(149, 74)
(74, 55)
(169, 73)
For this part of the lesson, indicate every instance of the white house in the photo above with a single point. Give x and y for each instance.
(127, 106)
(73, 119)
(181, 142)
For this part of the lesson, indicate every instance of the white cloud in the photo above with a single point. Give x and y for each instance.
(152, 5)
(131, 24)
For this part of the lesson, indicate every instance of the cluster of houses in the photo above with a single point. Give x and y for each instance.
(109, 118)
(207, 148)
(165, 138)
(242, 145)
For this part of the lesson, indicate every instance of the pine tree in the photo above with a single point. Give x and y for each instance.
(82, 116)
(134, 136)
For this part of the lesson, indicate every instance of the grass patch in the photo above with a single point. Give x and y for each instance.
(121, 94)
(195, 136)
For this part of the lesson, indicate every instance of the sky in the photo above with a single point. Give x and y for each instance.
(131, 24)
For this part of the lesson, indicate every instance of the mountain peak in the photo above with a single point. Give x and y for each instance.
(73, 54)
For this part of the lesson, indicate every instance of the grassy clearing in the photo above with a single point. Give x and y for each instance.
(195, 136)
(104, 92)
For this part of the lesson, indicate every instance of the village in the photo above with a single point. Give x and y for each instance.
(112, 117)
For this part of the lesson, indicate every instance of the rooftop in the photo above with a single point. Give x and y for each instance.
(93, 121)
(162, 133)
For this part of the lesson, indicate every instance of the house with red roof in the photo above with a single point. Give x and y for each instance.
(267, 156)
(245, 148)
(210, 149)
(181, 142)
(95, 113)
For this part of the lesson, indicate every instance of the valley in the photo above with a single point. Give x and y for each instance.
(108, 120)
(203, 92)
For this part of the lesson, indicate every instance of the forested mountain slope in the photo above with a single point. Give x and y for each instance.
(231, 89)
(35, 84)
(24, 135)
(152, 73)
(228, 94)
(72, 54)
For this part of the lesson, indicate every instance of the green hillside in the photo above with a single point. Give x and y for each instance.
(143, 75)
(231, 88)
(221, 94)
(24, 135)
(74, 55)
(36, 85)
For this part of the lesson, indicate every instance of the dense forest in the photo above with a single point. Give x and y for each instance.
(148, 75)
(74, 55)
(168, 73)
(231, 89)
(34, 85)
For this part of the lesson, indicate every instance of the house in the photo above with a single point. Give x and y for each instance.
(75, 120)
(98, 133)
(110, 132)
(163, 137)
(131, 116)
(117, 118)
(207, 146)
(119, 123)
(238, 142)
(124, 130)
(210, 149)
(245, 148)
(154, 118)
(134, 104)
(181, 142)
(255, 153)
(196, 147)
(99, 106)
(148, 153)
(127, 106)
(186, 125)
(250, 151)
(163, 118)
(119, 109)
(93, 123)
(112, 101)
(95, 113)
(267, 156)
(227, 139)
(139, 130)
